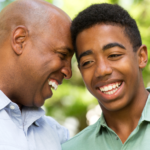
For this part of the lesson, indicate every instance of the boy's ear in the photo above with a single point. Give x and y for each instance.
(19, 38)
(142, 56)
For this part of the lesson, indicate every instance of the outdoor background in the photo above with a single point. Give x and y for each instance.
(72, 105)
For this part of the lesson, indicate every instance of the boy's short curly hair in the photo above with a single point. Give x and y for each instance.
(107, 14)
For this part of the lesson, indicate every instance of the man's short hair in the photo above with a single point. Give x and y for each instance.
(107, 14)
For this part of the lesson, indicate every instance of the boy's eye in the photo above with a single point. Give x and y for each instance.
(86, 63)
(114, 55)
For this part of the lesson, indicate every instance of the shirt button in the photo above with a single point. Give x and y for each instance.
(12, 107)
(117, 138)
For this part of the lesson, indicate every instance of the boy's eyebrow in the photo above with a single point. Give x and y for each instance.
(88, 52)
(110, 45)
(105, 47)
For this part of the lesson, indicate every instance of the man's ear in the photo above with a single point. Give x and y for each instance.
(19, 37)
(142, 56)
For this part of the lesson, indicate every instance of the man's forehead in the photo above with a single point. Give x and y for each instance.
(54, 13)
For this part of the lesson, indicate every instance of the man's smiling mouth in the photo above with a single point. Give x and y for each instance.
(53, 84)
(110, 88)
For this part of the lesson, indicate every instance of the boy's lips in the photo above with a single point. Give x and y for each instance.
(110, 91)
(110, 88)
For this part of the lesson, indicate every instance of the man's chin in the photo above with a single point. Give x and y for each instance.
(39, 100)
(38, 103)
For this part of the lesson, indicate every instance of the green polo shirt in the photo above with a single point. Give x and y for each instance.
(100, 137)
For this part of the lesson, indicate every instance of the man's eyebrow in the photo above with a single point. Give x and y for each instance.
(110, 45)
(88, 52)
(71, 51)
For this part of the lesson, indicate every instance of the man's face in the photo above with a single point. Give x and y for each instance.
(108, 65)
(47, 58)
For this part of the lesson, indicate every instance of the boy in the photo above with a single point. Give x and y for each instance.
(111, 57)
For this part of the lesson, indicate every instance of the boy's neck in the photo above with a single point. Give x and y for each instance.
(124, 121)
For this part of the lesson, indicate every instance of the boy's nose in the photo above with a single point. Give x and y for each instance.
(103, 68)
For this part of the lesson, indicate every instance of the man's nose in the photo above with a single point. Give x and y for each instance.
(103, 68)
(66, 70)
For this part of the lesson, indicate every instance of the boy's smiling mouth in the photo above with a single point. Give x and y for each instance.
(110, 89)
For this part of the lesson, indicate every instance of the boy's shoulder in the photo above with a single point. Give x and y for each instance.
(83, 138)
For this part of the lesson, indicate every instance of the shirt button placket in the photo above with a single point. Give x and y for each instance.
(117, 138)
(12, 107)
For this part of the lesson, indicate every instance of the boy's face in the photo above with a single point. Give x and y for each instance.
(109, 67)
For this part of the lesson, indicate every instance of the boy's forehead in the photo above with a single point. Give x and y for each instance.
(101, 34)
(109, 27)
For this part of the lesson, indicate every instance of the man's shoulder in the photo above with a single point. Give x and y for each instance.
(51, 121)
(61, 131)
(83, 138)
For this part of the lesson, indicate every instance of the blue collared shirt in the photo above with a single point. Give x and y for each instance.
(29, 129)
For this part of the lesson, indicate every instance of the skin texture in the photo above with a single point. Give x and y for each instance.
(35, 47)
(105, 57)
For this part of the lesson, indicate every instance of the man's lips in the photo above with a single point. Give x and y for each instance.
(53, 83)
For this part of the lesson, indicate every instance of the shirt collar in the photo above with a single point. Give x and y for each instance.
(34, 113)
(4, 100)
(36, 123)
(101, 124)
(146, 111)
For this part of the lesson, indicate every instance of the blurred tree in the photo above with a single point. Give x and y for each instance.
(114, 1)
(4, 3)
(141, 13)
(50, 1)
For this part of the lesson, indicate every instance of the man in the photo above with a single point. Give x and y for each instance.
(111, 58)
(35, 56)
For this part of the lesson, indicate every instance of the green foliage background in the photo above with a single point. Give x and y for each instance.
(72, 99)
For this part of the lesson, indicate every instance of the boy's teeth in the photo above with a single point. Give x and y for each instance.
(105, 88)
(117, 84)
(111, 92)
(53, 84)
(112, 87)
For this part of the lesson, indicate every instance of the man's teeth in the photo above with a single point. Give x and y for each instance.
(113, 87)
(53, 84)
